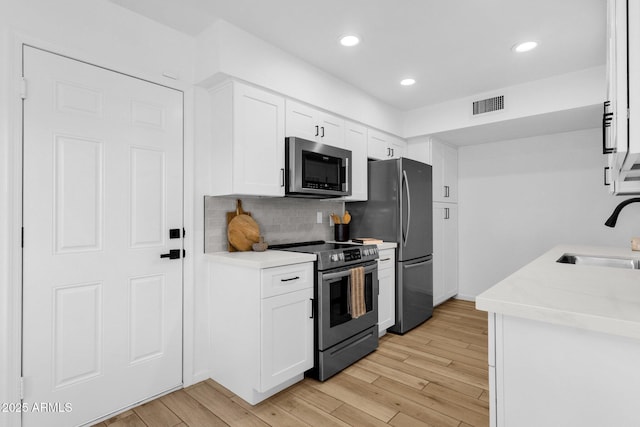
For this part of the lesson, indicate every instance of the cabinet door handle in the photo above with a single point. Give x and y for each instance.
(607, 168)
(281, 177)
(317, 130)
(393, 152)
(311, 317)
(322, 136)
(446, 213)
(290, 279)
(607, 117)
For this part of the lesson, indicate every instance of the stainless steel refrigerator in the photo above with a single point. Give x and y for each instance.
(399, 209)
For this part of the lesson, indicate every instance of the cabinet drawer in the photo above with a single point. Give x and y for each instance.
(386, 259)
(288, 278)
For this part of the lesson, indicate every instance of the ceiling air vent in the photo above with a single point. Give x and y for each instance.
(488, 105)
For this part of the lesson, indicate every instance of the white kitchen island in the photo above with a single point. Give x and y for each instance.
(564, 342)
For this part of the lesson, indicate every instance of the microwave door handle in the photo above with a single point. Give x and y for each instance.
(405, 181)
(346, 181)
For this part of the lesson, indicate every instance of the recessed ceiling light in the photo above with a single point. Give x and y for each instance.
(349, 40)
(407, 82)
(524, 47)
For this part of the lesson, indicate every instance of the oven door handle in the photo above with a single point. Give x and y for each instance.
(344, 273)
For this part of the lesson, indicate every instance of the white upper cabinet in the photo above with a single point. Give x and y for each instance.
(445, 172)
(419, 149)
(381, 146)
(247, 150)
(621, 115)
(309, 123)
(398, 148)
(356, 141)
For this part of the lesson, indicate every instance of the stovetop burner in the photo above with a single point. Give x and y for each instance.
(332, 255)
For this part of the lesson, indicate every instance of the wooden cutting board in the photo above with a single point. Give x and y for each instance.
(242, 230)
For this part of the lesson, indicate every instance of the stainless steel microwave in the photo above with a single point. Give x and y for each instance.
(316, 170)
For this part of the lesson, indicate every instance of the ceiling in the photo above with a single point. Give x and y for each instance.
(453, 49)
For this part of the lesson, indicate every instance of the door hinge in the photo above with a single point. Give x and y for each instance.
(21, 385)
(23, 88)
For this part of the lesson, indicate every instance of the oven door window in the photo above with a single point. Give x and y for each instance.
(321, 171)
(339, 310)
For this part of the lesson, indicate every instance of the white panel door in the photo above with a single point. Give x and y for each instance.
(287, 337)
(445, 251)
(102, 312)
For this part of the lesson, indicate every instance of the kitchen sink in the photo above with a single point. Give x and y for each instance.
(599, 261)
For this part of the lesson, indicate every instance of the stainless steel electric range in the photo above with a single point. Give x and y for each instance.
(341, 339)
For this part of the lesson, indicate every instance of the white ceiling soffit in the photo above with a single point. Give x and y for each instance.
(452, 48)
(542, 124)
(186, 16)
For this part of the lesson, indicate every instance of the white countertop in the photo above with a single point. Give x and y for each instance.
(381, 246)
(603, 299)
(387, 245)
(266, 259)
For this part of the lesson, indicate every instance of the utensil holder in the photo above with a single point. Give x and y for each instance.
(341, 232)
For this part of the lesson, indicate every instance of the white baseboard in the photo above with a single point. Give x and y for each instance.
(463, 297)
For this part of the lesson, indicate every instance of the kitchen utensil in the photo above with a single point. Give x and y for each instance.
(341, 232)
(261, 246)
(346, 218)
(335, 218)
(242, 230)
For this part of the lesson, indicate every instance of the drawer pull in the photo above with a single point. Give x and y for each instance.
(384, 259)
(288, 280)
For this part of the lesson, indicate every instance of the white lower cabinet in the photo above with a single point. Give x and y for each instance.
(553, 375)
(262, 327)
(387, 290)
(445, 251)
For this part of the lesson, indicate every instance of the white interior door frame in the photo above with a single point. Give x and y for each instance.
(11, 210)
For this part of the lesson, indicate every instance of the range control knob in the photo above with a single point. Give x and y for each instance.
(334, 257)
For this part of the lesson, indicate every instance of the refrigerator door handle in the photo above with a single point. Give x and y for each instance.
(405, 181)
(418, 264)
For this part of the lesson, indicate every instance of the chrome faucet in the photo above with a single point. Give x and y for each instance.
(611, 222)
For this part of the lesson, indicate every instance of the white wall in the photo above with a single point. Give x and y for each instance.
(519, 198)
(225, 50)
(557, 93)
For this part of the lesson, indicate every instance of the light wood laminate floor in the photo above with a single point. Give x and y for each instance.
(435, 375)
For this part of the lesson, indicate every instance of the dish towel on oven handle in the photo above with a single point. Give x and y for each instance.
(357, 305)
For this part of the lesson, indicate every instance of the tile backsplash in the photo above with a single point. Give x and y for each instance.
(281, 220)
